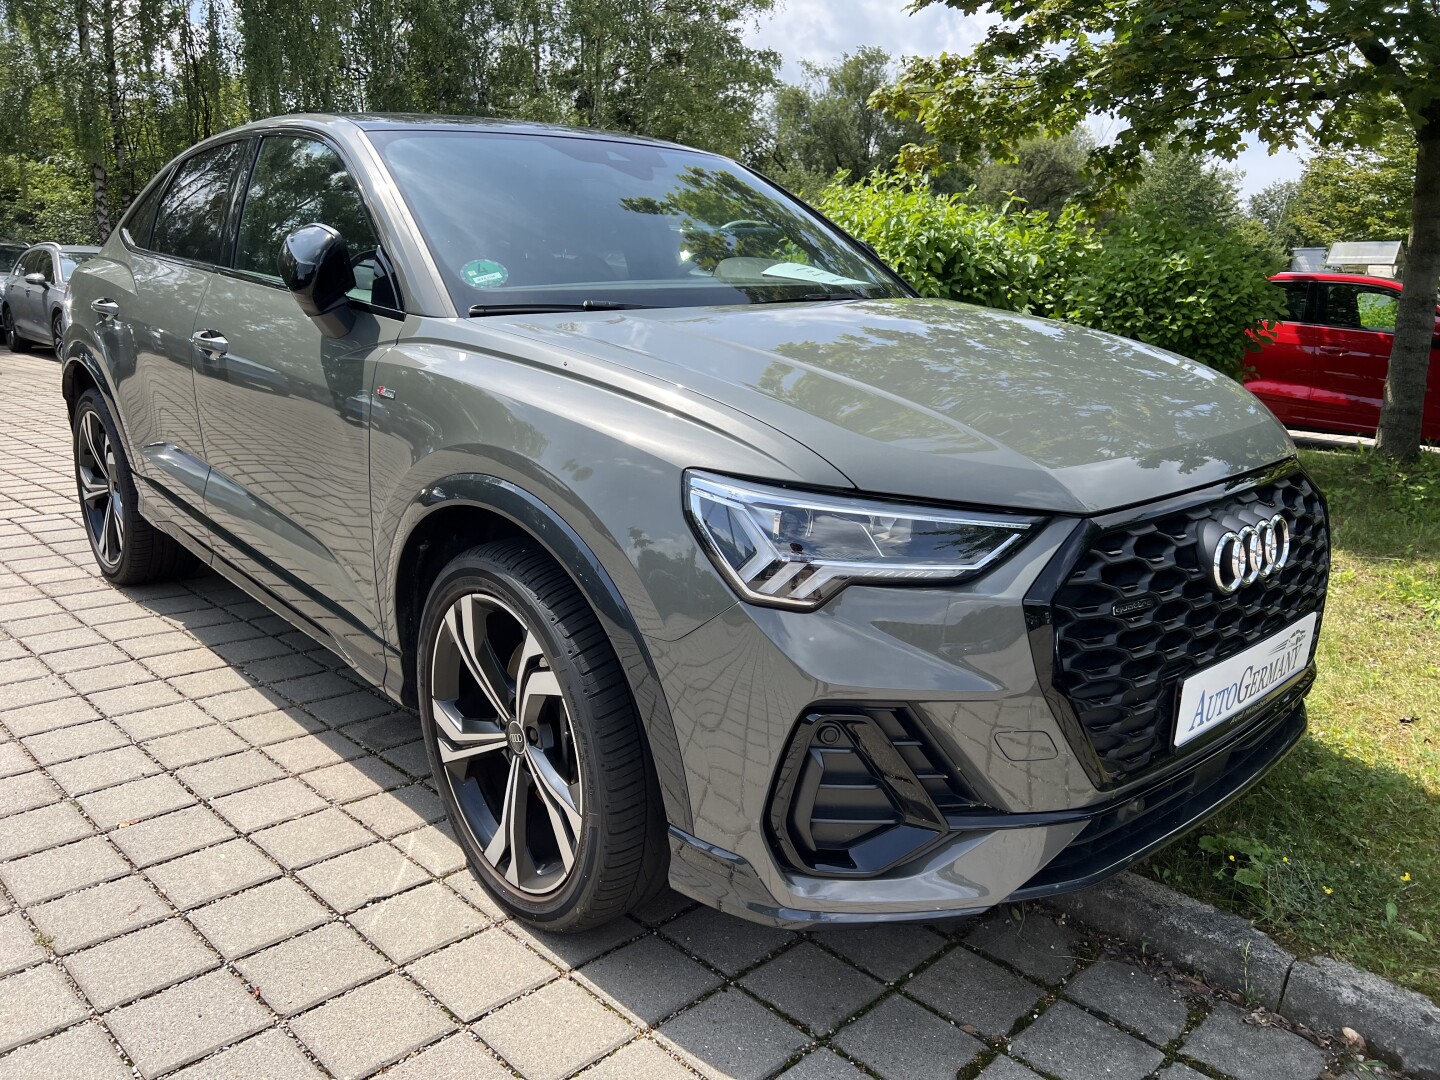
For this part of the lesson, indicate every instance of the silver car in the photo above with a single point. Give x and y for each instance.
(707, 552)
(32, 309)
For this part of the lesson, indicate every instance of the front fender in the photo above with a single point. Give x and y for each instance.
(566, 547)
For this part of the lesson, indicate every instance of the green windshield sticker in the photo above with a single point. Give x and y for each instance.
(484, 274)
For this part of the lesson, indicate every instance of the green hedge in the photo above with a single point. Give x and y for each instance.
(1201, 293)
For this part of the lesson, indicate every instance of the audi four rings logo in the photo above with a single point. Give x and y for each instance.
(1254, 552)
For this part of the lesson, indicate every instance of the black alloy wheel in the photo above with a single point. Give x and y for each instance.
(534, 741)
(128, 549)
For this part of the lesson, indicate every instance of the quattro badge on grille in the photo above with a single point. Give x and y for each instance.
(1254, 552)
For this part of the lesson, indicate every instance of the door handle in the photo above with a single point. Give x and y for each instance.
(105, 307)
(210, 341)
(1333, 350)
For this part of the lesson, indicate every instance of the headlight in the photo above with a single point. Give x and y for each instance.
(790, 549)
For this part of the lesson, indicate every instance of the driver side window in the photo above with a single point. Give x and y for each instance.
(298, 181)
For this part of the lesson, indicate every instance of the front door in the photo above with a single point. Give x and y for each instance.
(1283, 369)
(285, 409)
(1352, 354)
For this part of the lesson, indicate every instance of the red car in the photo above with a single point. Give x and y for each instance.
(1325, 370)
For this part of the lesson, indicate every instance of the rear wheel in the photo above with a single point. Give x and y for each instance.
(534, 742)
(13, 341)
(128, 549)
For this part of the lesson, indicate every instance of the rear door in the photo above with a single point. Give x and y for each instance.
(1284, 367)
(172, 260)
(285, 409)
(1353, 353)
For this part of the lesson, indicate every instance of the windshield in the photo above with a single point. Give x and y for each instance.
(530, 220)
(71, 259)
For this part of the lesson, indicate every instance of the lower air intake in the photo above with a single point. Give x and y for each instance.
(860, 792)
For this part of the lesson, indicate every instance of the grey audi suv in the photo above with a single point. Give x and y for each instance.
(707, 552)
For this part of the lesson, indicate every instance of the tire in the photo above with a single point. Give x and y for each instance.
(13, 339)
(127, 548)
(57, 336)
(556, 751)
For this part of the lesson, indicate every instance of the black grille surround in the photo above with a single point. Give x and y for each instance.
(1114, 679)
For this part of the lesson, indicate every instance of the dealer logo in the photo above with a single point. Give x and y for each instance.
(1256, 551)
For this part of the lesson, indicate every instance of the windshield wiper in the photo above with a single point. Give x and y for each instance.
(812, 298)
(481, 310)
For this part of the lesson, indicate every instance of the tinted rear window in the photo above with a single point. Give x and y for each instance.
(191, 221)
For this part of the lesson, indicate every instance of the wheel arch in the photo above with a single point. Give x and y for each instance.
(459, 511)
(81, 372)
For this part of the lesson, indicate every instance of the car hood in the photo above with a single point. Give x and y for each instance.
(936, 400)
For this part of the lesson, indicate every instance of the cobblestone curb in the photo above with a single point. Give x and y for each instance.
(1323, 994)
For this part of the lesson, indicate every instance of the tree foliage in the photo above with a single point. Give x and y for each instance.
(1203, 74)
(1270, 208)
(825, 123)
(1197, 290)
(114, 88)
(1357, 194)
(1179, 186)
(1046, 171)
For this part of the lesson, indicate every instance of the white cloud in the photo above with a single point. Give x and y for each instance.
(821, 30)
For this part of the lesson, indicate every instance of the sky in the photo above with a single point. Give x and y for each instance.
(821, 30)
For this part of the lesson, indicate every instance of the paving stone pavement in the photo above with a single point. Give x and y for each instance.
(220, 856)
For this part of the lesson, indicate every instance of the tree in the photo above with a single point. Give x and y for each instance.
(1181, 186)
(1359, 194)
(825, 124)
(1046, 171)
(1272, 209)
(1203, 74)
(103, 92)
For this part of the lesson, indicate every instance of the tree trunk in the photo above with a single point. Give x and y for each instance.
(116, 109)
(100, 178)
(1403, 411)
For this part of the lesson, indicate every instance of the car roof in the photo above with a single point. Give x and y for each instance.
(1331, 275)
(380, 121)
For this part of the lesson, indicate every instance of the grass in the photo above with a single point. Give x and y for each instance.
(1338, 851)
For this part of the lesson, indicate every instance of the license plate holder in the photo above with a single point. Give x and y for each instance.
(1211, 697)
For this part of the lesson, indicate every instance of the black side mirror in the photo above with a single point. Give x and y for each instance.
(315, 266)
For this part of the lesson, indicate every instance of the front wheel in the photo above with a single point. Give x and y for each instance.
(534, 741)
(57, 336)
(128, 549)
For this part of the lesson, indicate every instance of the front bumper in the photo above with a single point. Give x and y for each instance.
(1036, 725)
(1066, 850)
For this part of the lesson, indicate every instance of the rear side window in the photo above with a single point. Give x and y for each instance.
(1361, 307)
(141, 218)
(299, 181)
(191, 220)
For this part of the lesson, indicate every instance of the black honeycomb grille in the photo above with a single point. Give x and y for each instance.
(1121, 673)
